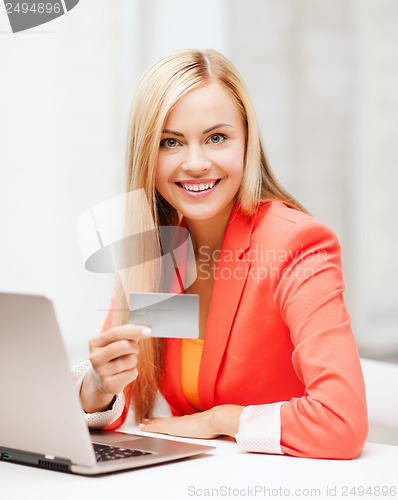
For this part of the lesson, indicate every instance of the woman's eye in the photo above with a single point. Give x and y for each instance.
(169, 143)
(217, 138)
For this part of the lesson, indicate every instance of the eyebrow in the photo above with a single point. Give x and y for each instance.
(216, 126)
(179, 134)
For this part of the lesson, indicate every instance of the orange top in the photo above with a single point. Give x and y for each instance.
(191, 356)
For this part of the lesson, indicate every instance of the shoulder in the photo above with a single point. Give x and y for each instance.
(278, 212)
(283, 226)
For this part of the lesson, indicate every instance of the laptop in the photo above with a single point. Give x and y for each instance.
(41, 420)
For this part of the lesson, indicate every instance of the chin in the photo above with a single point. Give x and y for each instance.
(204, 213)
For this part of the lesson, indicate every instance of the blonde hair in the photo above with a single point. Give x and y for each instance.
(158, 91)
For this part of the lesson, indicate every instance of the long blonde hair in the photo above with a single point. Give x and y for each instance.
(158, 91)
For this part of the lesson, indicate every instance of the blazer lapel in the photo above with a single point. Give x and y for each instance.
(230, 278)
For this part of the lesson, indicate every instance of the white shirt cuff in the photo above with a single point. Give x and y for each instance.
(260, 428)
(100, 419)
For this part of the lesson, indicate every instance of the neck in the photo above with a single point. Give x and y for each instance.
(208, 234)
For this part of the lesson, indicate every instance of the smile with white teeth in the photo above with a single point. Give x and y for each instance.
(198, 187)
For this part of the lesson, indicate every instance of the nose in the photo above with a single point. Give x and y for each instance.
(195, 161)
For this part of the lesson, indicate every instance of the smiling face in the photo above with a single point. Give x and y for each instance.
(201, 154)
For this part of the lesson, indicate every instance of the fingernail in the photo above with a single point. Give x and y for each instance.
(141, 426)
(146, 332)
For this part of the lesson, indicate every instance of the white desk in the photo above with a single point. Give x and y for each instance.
(224, 473)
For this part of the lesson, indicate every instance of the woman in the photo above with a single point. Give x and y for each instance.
(276, 364)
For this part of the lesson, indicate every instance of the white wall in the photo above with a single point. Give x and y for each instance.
(377, 174)
(170, 25)
(62, 124)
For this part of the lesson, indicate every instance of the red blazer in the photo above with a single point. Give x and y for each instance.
(278, 330)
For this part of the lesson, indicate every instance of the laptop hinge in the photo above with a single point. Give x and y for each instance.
(35, 459)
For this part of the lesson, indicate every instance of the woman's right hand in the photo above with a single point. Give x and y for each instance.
(114, 356)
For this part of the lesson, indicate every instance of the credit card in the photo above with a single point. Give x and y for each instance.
(169, 315)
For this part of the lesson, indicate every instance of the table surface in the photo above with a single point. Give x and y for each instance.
(222, 473)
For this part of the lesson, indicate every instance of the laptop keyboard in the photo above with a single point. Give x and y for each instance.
(105, 452)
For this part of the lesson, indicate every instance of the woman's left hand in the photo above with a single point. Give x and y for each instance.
(220, 420)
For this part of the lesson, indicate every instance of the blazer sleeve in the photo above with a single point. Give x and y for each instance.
(330, 420)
